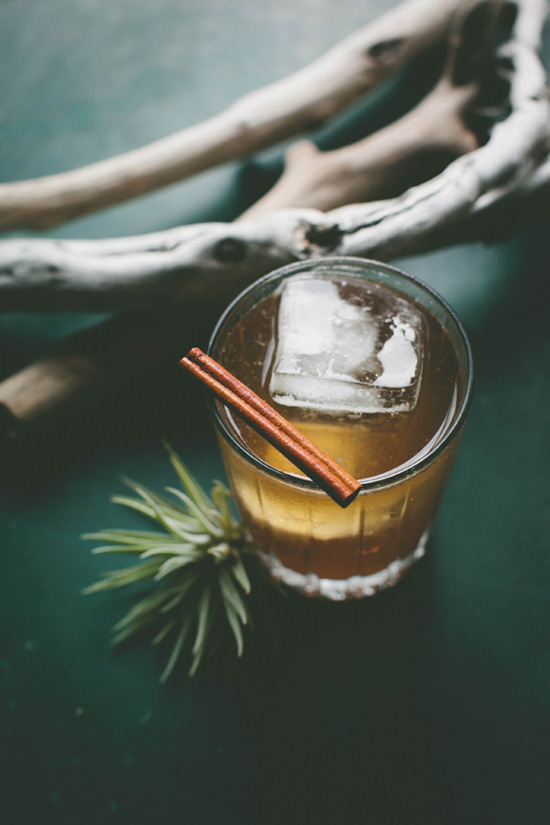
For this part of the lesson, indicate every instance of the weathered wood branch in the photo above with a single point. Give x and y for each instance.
(96, 363)
(38, 275)
(378, 165)
(285, 108)
(444, 125)
(473, 194)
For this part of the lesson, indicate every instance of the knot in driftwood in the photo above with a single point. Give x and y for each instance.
(230, 251)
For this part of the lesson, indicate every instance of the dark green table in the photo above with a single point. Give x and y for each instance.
(427, 705)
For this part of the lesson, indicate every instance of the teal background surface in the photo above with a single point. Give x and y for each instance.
(426, 705)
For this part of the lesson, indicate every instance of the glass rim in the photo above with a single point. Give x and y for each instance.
(384, 479)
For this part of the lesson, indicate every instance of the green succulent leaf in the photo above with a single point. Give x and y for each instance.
(193, 564)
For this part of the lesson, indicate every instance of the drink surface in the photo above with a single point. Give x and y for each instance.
(399, 426)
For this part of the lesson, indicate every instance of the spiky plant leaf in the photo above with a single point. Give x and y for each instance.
(193, 564)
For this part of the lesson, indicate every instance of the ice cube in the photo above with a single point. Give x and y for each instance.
(344, 348)
(398, 357)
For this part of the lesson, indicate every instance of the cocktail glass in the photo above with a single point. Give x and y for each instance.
(402, 456)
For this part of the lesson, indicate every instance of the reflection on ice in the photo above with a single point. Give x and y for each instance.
(346, 347)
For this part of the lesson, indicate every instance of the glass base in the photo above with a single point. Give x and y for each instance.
(356, 587)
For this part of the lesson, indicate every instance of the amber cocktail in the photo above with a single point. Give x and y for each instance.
(375, 368)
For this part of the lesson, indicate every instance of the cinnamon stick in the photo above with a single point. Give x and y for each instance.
(330, 476)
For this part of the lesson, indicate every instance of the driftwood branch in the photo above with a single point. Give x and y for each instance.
(379, 165)
(97, 363)
(476, 196)
(288, 107)
(218, 259)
